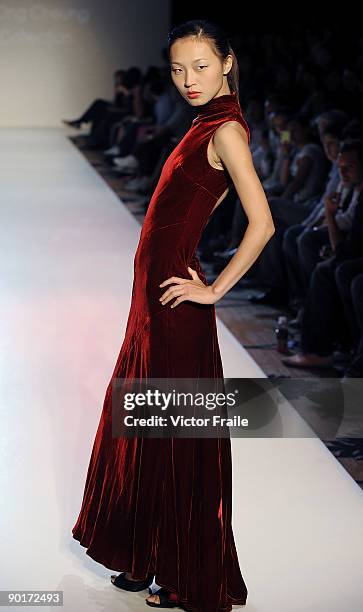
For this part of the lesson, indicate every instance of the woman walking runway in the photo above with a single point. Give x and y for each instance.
(163, 507)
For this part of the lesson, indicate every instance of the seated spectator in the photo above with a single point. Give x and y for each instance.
(331, 138)
(305, 245)
(304, 174)
(315, 236)
(140, 151)
(133, 107)
(324, 322)
(130, 130)
(145, 155)
(163, 102)
(122, 130)
(96, 109)
(278, 123)
(103, 113)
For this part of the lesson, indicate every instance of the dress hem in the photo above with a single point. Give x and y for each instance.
(183, 602)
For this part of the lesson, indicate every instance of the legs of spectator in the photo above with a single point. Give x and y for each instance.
(270, 268)
(287, 210)
(324, 315)
(344, 276)
(147, 184)
(145, 181)
(118, 132)
(93, 113)
(102, 131)
(323, 318)
(309, 244)
(302, 255)
(147, 153)
(99, 133)
(290, 250)
(129, 140)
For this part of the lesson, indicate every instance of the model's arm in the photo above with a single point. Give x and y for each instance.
(231, 145)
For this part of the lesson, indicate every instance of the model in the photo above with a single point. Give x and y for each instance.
(163, 507)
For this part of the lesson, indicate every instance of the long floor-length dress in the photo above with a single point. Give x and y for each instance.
(164, 506)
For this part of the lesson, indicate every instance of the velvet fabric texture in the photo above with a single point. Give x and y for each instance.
(164, 506)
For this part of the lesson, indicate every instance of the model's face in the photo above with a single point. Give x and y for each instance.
(195, 67)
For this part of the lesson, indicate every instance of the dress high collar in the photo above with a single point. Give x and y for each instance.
(218, 105)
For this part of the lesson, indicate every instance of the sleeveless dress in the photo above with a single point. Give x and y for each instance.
(164, 506)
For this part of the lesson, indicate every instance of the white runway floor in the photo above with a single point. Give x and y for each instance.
(67, 247)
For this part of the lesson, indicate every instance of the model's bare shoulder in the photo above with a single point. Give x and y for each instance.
(231, 145)
(231, 127)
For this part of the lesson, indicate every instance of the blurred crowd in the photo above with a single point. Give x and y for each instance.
(302, 100)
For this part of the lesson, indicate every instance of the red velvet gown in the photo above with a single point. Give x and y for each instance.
(164, 506)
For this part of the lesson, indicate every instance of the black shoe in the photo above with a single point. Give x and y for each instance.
(164, 600)
(272, 297)
(131, 585)
(75, 123)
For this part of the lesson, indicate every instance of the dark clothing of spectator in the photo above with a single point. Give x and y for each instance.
(324, 318)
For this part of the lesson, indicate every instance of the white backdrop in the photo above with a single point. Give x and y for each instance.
(56, 56)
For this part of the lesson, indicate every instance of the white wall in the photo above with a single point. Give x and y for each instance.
(56, 56)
